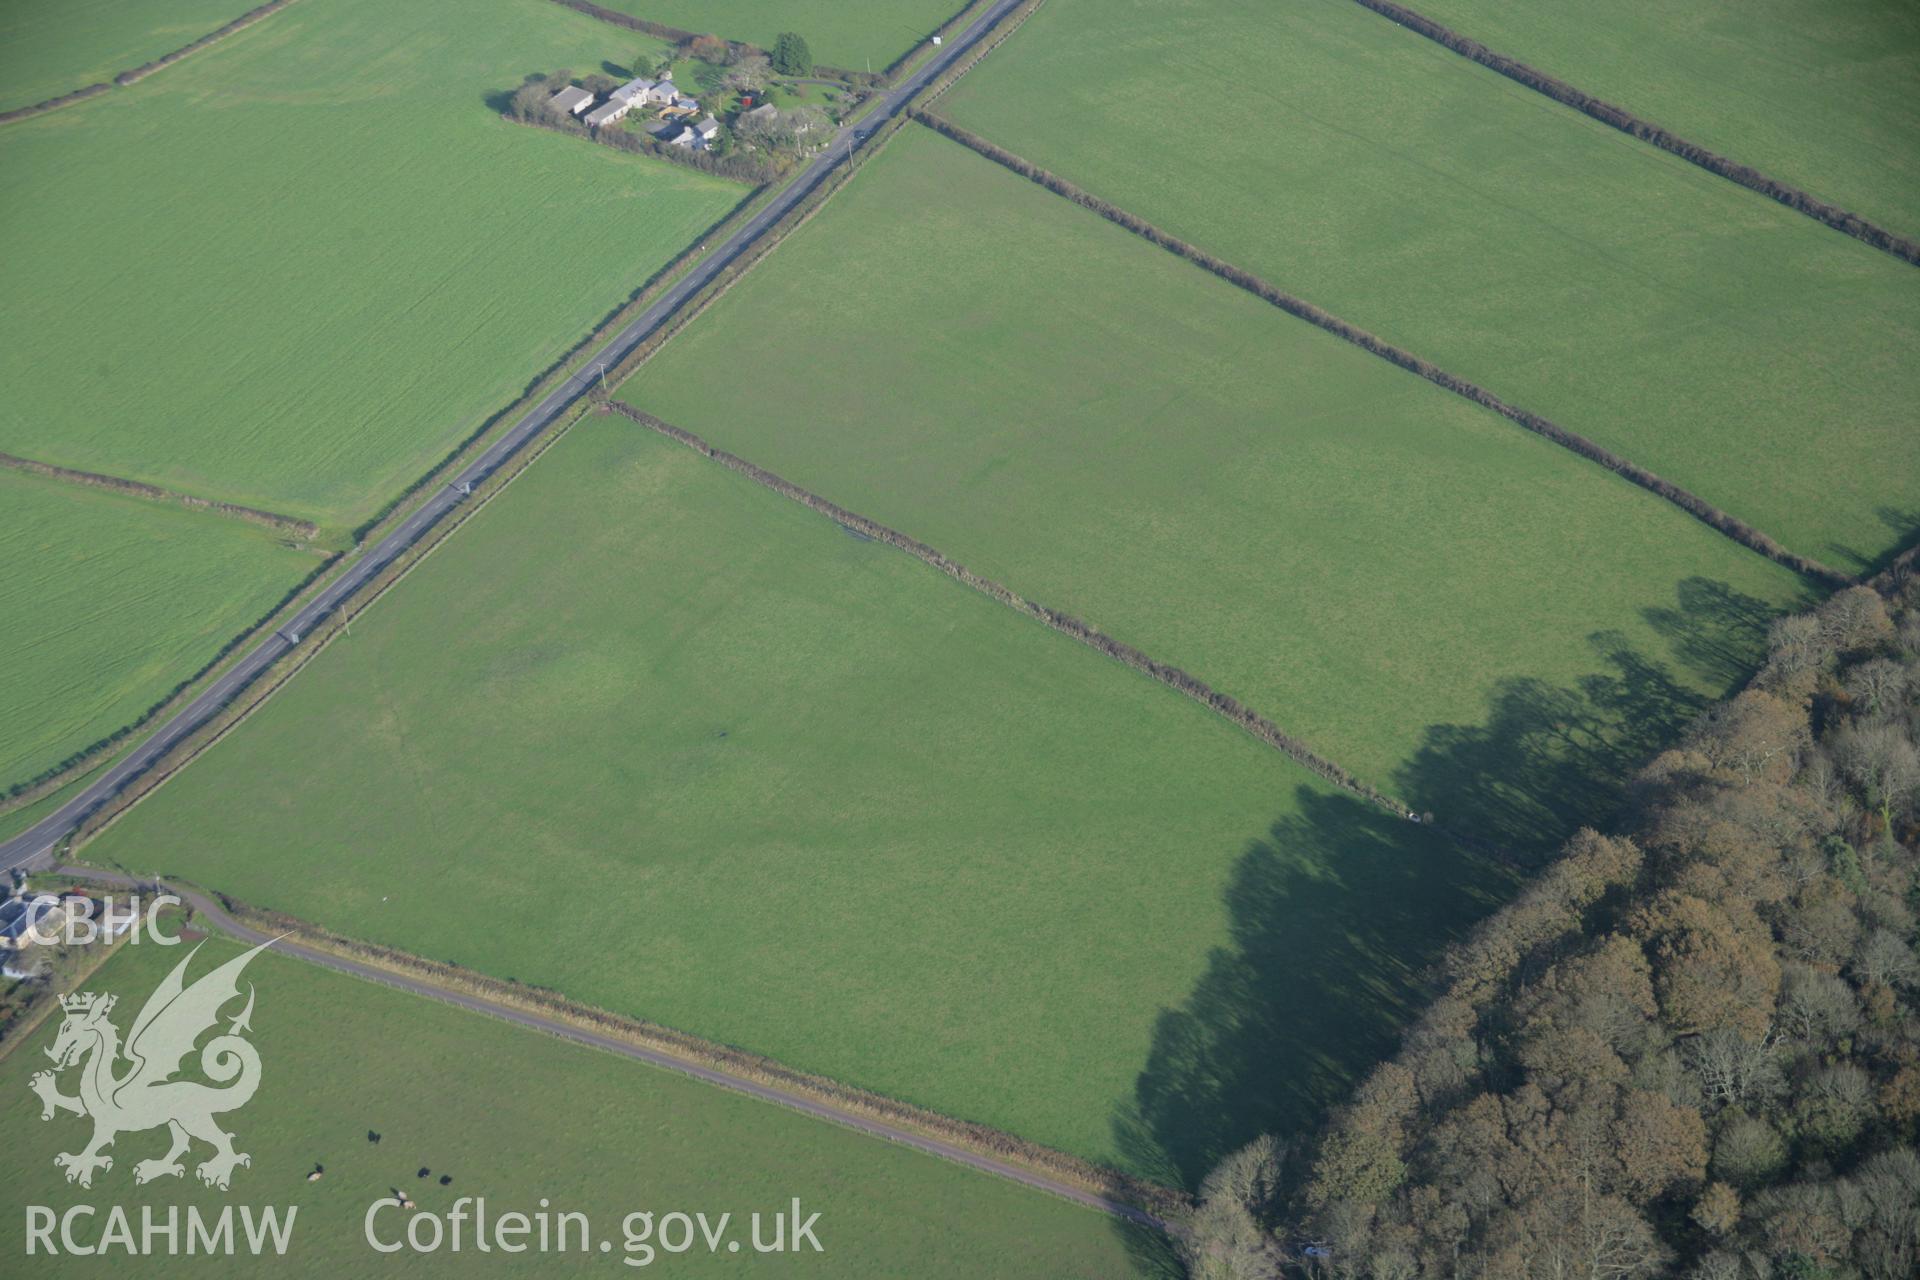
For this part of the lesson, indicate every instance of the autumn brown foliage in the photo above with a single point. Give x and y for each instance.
(1692, 1046)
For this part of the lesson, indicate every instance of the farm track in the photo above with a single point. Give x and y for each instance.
(39, 841)
(1722, 522)
(1844, 221)
(214, 914)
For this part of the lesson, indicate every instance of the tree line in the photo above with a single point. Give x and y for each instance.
(1690, 1047)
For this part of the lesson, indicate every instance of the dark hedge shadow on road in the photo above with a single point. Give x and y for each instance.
(1337, 913)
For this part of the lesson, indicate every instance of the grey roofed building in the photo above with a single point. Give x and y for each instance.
(708, 128)
(685, 138)
(20, 917)
(607, 113)
(765, 111)
(572, 100)
(634, 90)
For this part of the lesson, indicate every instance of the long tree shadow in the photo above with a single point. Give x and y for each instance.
(1550, 758)
(1332, 917)
(1337, 913)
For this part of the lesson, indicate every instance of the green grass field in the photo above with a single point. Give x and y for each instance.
(296, 270)
(518, 1118)
(1736, 347)
(51, 47)
(106, 603)
(1418, 587)
(792, 790)
(843, 33)
(1824, 95)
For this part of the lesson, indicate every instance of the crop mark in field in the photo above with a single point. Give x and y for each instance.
(1699, 508)
(1618, 117)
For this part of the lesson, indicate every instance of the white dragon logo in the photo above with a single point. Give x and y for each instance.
(147, 1096)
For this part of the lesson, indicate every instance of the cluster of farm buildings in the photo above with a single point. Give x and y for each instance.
(677, 126)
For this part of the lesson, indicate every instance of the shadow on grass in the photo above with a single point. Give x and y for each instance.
(1904, 527)
(1337, 913)
(1332, 915)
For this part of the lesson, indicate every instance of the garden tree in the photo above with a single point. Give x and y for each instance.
(791, 57)
(748, 74)
(1691, 1051)
(710, 49)
(1227, 1238)
(646, 68)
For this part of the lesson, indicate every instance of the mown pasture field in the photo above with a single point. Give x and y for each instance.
(1823, 95)
(1736, 347)
(519, 1119)
(1418, 587)
(51, 47)
(795, 791)
(296, 270)
(108, 602)
(848, 34)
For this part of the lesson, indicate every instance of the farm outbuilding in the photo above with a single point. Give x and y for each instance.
(572, 100)
(608, 113)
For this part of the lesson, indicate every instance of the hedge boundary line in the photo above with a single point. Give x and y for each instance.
(251, 697)
(54, 104)
(20, 794)
(166, 60)
(1173, 677)
(1015, 19)
(136, 74)
(890, 74)
(966, 1134)
(305, 530)
(659, 30)
(1697, 507)
(1607, 113)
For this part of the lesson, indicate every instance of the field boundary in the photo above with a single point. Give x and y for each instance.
(1013, 22)
(20, 794)
(1173, 677)
(554, 1013)
(1699, 508)
(303, 530)
(134, 75)
(1800, 201)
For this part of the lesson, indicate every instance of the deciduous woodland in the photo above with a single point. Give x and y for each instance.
(1691, 1047)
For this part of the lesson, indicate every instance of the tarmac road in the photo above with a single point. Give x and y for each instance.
(211, 913)
(41, 839)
